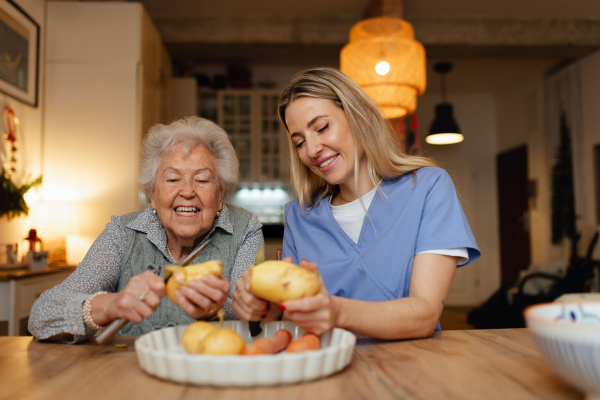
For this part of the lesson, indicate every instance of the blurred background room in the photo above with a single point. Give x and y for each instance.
(81, 82)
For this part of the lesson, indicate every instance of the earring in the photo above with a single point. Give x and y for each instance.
(153, 211)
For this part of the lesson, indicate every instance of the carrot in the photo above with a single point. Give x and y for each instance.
(277, 343)
(308, 341)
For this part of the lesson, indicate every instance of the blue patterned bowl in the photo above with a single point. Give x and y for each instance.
(568, 335)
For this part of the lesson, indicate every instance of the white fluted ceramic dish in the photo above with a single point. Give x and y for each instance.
(568, 335)
(161, 354)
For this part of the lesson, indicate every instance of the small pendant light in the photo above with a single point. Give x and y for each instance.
(444, 129)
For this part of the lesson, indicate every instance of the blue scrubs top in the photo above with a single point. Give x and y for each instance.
(410, 218)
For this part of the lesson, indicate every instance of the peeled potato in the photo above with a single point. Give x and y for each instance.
(222, 342)
(194, 334)
(278, 281)
(181, 276)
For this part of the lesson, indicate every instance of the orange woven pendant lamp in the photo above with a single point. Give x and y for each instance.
(384, 58)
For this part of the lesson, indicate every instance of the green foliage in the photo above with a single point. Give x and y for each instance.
(12, 203)
(563, 197)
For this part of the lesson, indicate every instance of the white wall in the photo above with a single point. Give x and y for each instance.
(519, 123)
(31, 119)
(92, 118)
(590, 94)
(184, 92)
(471, 164)
(497, 104)
(108, 79)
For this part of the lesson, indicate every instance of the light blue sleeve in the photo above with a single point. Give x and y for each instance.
(443, 223)
(289, 247)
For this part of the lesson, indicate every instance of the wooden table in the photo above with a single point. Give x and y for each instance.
(485, 364)
(19, 288)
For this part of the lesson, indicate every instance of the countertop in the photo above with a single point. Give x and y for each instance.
(26, 272)
(472, 364)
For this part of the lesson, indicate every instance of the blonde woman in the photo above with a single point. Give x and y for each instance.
(385, 229)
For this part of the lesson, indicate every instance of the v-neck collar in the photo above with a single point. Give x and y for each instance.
(326, 202)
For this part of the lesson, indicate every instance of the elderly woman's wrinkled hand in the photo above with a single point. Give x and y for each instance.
(313, 314)
(249, 307)
(204, 296)
(129, 302)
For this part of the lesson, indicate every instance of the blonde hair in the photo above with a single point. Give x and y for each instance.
(370, 130)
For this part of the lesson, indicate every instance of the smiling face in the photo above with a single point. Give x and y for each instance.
(323, 139)
(187, 194)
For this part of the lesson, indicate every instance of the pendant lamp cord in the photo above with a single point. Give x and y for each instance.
(415, 149)
(401, 131)
(443, 74)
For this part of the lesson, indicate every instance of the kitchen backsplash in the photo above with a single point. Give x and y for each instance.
(265, 200)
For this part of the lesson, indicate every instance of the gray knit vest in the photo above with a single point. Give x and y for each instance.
(142, 255)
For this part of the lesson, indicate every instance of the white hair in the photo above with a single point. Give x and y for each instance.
(191, 131)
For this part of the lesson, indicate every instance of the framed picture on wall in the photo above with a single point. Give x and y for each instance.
(19, 53)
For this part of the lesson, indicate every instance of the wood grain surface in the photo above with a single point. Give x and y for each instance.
(488, 364)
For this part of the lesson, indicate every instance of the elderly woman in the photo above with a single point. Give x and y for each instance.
(187, 169)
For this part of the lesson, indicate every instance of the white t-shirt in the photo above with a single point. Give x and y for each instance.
(350, 218)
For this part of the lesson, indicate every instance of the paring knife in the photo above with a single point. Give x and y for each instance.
(254, 326)
(114, 327)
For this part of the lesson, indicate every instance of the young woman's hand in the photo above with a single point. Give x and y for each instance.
(249, 307)
(314, 314)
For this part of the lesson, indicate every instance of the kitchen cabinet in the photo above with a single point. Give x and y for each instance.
(19, 289)
(250, 119)
(207, 104)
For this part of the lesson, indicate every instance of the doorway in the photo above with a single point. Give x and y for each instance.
(515, 247)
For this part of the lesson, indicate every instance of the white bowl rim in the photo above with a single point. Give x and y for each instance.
(528, 311)
(337, 356)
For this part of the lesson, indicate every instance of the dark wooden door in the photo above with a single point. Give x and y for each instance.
(515, 250)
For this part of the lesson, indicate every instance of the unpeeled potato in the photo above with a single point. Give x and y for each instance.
(278, 281)
(194, 334)
(222, 342)
(182, 276)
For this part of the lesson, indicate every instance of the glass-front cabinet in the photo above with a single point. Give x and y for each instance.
(250, 119)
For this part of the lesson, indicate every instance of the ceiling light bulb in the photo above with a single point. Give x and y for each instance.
(382, 68)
